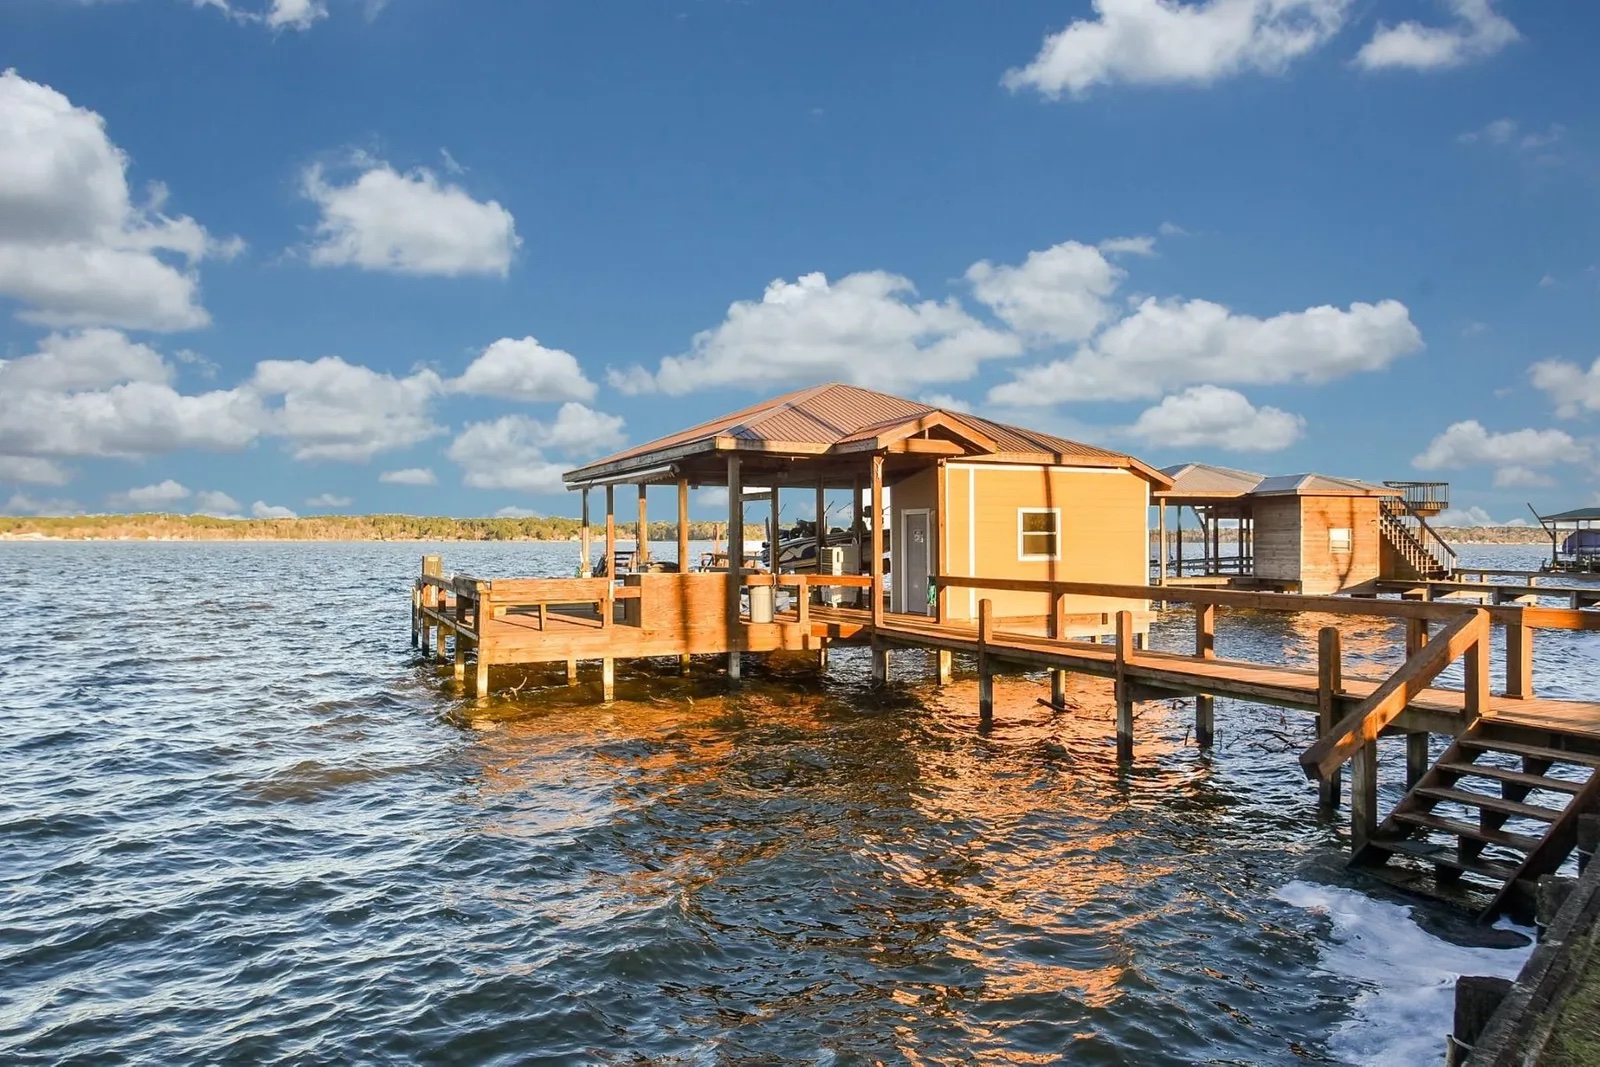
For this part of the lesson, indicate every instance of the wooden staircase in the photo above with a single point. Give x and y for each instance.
(1498, 809)
(1403, 529)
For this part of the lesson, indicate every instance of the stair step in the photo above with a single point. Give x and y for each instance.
(1443, 856)
(1468, 896)
(1517, 748)
(1429, 821)
(1483, 800)
(1532, 781)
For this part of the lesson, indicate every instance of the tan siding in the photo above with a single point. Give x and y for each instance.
(1322, 571)
(1104, 522)
(1277, 538)
(915, 493)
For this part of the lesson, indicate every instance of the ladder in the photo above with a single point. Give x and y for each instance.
(1498, 809)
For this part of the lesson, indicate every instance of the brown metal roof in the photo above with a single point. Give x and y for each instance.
(1320, 485)
(1209, 480)
(816, 420)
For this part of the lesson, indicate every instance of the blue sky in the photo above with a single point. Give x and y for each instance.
(334, 255)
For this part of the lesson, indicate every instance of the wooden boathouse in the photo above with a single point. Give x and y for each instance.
(1021, 551)
(1300, 533)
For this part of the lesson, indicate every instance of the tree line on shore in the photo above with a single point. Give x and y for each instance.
(338, 528)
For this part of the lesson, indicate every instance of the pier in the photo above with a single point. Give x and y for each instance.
(1016, 550)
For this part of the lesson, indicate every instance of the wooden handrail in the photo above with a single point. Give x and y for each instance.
(1367, 721)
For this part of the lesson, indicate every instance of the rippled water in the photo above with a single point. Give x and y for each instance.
(241, 822)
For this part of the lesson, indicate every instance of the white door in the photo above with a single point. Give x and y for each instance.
(916, 562)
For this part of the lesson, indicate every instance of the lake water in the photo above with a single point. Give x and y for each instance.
(241, 822)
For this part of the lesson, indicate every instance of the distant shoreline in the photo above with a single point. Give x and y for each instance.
(414, 529)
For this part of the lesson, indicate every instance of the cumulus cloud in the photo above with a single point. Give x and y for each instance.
(330, 409)
(409, 223)
(867, 328)
(1167, 344)
(1165, 42)
(1519, 458)
(1571, 389)
(75, 248)
(514, 512)
(24, 504)
(1477, 31)
(408, 476)
(217, 504)
(263, 510)
(158, 497)
(510, 452)
(523, 369)
(1059, 294)
(275, 14)
(88, 359)
(1472, 516)
(1207, 416)
(31, 470)
(328, 500)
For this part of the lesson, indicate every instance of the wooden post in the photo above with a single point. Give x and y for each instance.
(611, 532)
(642, 556)
(1363, 796)
(1161, 524)
(880, 662)
(822, 531)
(877, 540)
(572, 671)
(1179, 561)
(1475, 666)
(683, 526)
(1519, 660)
(1058, 631)
(1123, 693)
(685, 664)
(1416, 636)
(1205, 646)
(774, 537)
(1416, 757)
(943, 665)
(585, 552)
(941, 595)
(1330, 682)
(608, 679)
(460, 647)
(438, 641)
(735, 561)
(416, 613)
(985, 672)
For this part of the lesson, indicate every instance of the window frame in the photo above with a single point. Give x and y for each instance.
(1024, 556)
(1349, 540)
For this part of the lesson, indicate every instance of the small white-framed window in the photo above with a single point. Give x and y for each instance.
(1339, 540)
(1038, 534)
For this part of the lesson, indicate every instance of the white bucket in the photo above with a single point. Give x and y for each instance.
(761, 603)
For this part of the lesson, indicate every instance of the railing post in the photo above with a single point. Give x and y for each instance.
(1330, 682)
(1205, 646)
(1475, 665)
(1519, 660)
(985, 677)
(1123, 694)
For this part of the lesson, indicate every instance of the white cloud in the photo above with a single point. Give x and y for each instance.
(1165, 42)
(513, 512)
(1505, 133)
(331, 409)
(1571, 388)
(1169, 344)
(328, 500)
(1130, 246)
(408, 223)
(409, 476)
(276, 15)
(1547, 282)
(262, 510)
(23, 504)
(712, 496)
(1171, 229)
(946, 402)
(1478, 31)
(866, 328)
(157, 497)
(509, 453)
(75, 249)
(217, 504)
(1518, 457)
(1206, 416)
(131, 419)
(525, 370)
(1058, 294)
(1471, 516)
(88, 359)
(33, 471)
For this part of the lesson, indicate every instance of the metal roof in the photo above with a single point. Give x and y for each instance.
(1575, 515)
(1209, 480)
(814, 421)
(1319, 485)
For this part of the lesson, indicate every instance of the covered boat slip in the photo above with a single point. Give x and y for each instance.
(1574, 540)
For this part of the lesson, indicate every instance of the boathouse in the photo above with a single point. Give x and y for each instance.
(964, 497)
(1305, 533)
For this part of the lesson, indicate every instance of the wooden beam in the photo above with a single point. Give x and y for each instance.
(642, 556)
(1417, 761)
(585, 562)
(1372, 715)
(877, 541)
(683, 526)
(1363, 795)
(611, 533)
(922, 446)
(1519, 661)
(1330, 683)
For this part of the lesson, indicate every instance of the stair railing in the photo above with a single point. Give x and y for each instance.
(1397, 518)
(1467, 636)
